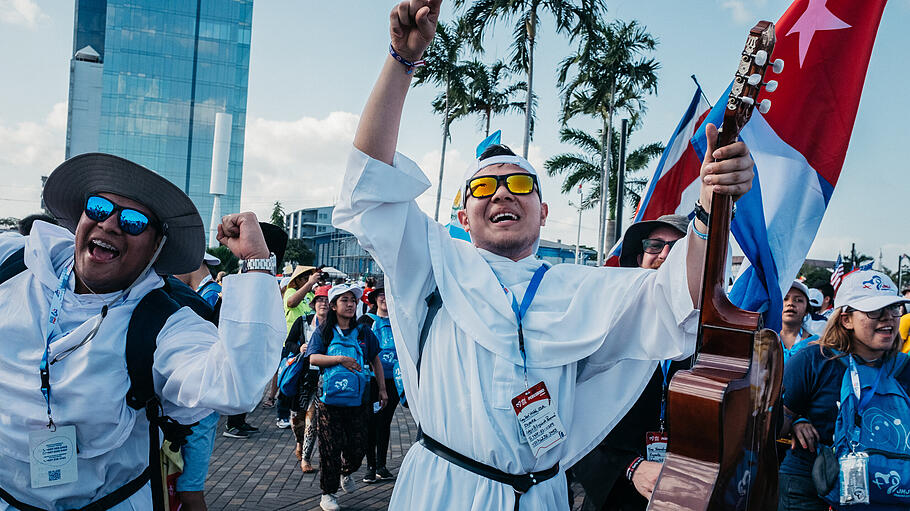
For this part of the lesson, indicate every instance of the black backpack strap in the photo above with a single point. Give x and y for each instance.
(12, 265)
(434, 303)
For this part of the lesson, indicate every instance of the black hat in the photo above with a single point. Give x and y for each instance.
(631, 241)
(71, 183)
(277, 241)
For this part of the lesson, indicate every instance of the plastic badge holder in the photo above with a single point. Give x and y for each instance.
(854, 478)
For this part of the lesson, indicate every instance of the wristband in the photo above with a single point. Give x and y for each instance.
(801, 419)
(702, 235)
(407, 63)
(702, 214)
(630, 471)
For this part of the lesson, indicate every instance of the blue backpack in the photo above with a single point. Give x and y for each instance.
(340, 385)
(382, 328)
(289, 373)
(878, 425)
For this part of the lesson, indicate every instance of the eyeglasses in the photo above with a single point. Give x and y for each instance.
(520, 183)
(130, 221)
(654, 246)
(894, 310)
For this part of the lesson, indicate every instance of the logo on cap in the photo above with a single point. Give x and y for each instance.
(876, 283)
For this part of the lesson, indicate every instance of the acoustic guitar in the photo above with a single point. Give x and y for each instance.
(721, 452)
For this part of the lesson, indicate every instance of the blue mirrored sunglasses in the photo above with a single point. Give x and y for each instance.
(130, 221)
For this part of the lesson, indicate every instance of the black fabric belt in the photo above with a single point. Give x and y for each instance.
(108, 501)
(521, 483)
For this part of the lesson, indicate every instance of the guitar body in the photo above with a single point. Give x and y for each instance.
(722, 452)
(726, 458)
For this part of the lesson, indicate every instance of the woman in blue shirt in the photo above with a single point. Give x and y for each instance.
(342, 427)
(793, 333)
(863, 326)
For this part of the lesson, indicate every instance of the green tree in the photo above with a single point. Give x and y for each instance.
(444, 69)
(571, 16)
(611, 73)
(277, 215)
(297, 252)
(814, 275)
(584, 167)
(487, 94)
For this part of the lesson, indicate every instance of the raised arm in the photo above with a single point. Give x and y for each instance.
(727, 170)
(412, 25)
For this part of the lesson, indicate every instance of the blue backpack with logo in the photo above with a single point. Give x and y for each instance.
(879, 425)
(382, 328)
(340, 385)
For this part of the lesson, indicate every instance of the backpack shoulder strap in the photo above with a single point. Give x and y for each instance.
(149, 317)
(434, 303)
(12, 265)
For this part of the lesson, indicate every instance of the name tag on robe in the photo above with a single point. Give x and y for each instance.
(656, 445)
(538, 419)
(52, 456)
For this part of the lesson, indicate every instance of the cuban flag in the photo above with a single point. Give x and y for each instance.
(798, 147)
(673, 188)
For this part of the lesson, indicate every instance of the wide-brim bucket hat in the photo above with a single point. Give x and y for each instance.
(70, 184)
(631, 241)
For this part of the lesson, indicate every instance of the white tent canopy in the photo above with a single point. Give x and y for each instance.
(334, 272)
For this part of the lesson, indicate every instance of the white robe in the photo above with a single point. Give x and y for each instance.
(593, 335)
(196, 369)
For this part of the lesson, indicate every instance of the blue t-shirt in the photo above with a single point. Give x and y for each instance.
(369, 345)
(209, 291)
(798, 345)
(812, 389)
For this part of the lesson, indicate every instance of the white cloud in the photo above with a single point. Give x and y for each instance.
(26, 13)
(742, 11)
(299, 163)
(29, 150)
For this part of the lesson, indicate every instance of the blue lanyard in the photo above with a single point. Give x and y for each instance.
(665, 368)
(520, 312)
(857, 388)
(52, 326)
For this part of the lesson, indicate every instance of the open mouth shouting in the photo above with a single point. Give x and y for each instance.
(102, 251)
(504, 218)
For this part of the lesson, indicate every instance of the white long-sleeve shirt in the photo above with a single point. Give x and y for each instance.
(197, 368)
(593, 335)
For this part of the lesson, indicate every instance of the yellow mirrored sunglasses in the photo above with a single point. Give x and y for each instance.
(520, 183)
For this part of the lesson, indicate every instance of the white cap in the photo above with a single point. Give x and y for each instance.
(867, 291)
(801, 287)
(211, 260)
(341, 289)
(815, 297)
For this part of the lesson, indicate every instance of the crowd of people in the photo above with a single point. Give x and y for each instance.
(120, 350)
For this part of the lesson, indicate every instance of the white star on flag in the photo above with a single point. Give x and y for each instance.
(816, 17)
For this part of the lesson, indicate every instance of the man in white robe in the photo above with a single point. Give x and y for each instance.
(102, 272)
(592, 335)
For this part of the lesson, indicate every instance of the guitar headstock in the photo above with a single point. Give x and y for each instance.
(749, 81)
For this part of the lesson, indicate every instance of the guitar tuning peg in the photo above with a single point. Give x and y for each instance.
(754, 79)
(777, 66)
(761, 56)
(771, 86)
(747, 100)
(764, 106)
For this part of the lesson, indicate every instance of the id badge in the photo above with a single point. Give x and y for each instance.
(538, 419)
(52, 456)
(854, 478)
(656, 445)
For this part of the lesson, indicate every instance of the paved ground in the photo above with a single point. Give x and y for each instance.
(261, 473)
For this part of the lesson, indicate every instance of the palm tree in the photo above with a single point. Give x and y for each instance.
(572, 16)
(585, 166)
(444, 69)
(611, 73)
(487, 96)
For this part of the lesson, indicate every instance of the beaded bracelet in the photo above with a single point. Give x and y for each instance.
(407, 63)
(632, 466)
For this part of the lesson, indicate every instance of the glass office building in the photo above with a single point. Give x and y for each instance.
(146, 80)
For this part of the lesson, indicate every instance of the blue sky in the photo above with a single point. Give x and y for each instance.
(313, 64)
